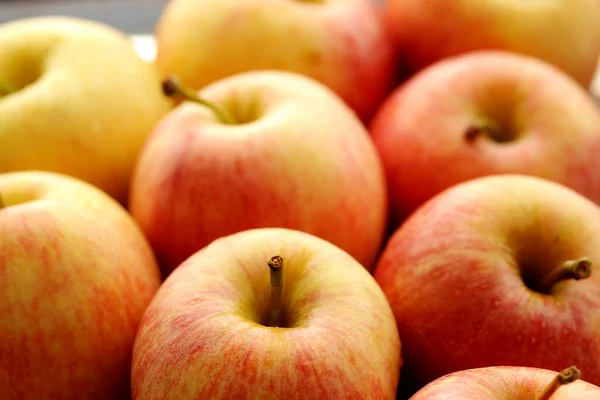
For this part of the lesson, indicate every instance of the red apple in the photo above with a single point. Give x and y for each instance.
(506, 382)
(344, 44)
(267, 313)
(565, 33)
(76, 274)
(491, 272)
(486, 113)
(277, 150)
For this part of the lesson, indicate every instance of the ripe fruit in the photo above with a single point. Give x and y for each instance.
(276, 150)
(496, 271)
(76, 275)
(75, 98)
(267, 313)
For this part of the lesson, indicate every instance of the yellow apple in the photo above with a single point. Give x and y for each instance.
(75, 98)
(565, 33)
(344, 44)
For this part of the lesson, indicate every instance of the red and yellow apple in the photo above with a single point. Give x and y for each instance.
(76, 274)
(75, 98)
(278, 149)
(507, 382)
(485, 113)
(565, 33)
(267, 313)
(496, 271)
(344, 44)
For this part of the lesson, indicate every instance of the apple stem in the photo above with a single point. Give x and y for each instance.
(276, 272)
(484, 128)
(1, 202)
(580, 268)
(172, 87)
(564, 377)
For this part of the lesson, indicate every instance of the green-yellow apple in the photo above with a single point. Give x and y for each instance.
(507, 382)
(277, 149)
(565, 33)
(344, 44)
(267, 313)
(76, 275)
(75, 98)
(496, 271)
(483, 113)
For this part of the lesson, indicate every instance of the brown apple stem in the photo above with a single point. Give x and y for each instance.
(172, 87)
(486, 128)
(275, 306)
(1, 202)
(564, 377)
(580, 268)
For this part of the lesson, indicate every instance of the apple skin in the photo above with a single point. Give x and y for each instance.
(503, 382)
(347, 45)
(551, 123)
(565, 33)
(203, 335)
(77, 274)
(85, 101)
(302, 160)
(455, 272)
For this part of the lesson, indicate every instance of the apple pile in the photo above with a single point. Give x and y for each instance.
(303, 199)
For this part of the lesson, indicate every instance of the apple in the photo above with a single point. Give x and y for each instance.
(259, 149)
(76, 99)
(494, 271)
(76, 276)
(564, 33)
(507, 382)
(344, 44)
(267, 312)
(483, 113)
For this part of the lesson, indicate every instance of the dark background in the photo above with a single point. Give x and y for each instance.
(130, 16)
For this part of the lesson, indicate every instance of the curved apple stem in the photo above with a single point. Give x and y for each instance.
(275, 306)
(564, 377)
(487, 128)
(580, 268)
(172, 87)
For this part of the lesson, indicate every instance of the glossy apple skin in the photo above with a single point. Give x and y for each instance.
(503, 382)
(76, 276)
(85, 101)
(202, 336)
(454, 274)
(564, 33)
(306, 163)
(420, 131)
(346, 45)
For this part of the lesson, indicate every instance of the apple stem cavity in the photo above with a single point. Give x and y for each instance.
(564, 377)
(275, 306)
(580, 268)
(172, 88)
(5, 90)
